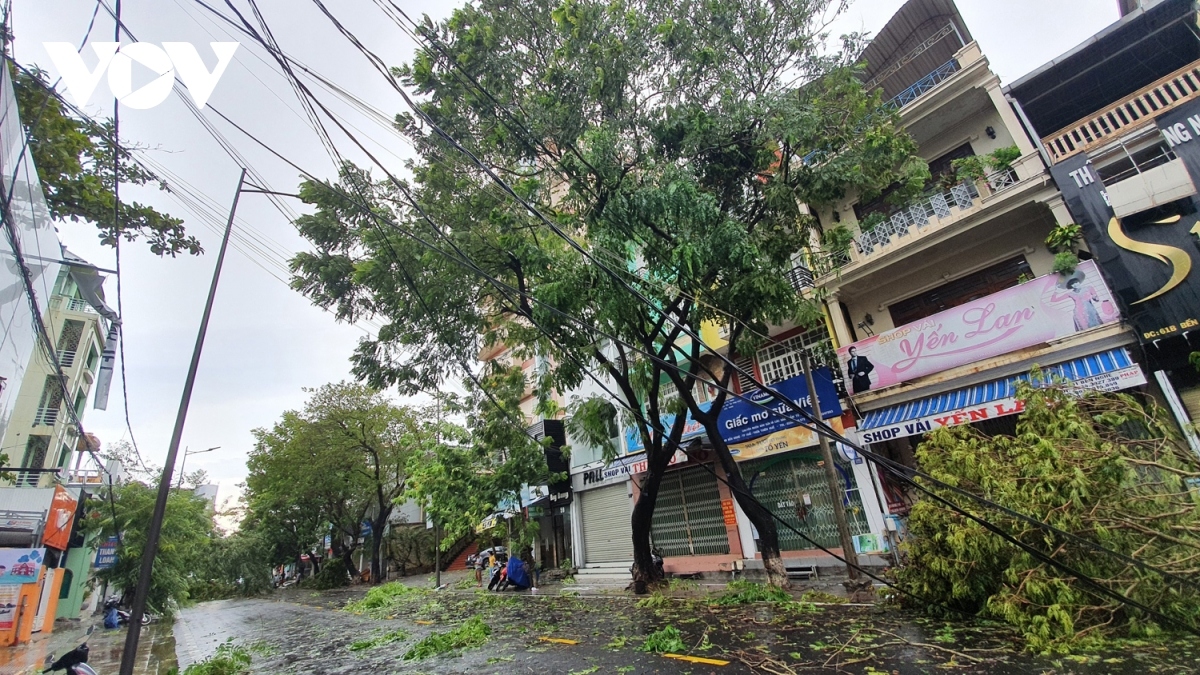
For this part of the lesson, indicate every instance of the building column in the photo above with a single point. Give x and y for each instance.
(1058, 207)
(1015, 128)
(833, 312)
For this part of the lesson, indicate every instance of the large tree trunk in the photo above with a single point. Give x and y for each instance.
(645, 572)
(377, 545)
(764, 522)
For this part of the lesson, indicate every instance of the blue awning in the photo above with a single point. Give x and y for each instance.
(1087, 366)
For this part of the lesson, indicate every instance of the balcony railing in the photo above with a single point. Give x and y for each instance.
(923, 85)
(934, 209)
(66, 358)
(1136, 110)
(801, 278)
(73, 304)
(45, 417)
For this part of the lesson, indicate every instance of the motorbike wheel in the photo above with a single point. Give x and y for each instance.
(145, 619)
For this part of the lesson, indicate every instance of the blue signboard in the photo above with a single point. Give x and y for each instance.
(691, 429)
(106, 555)
(742, 420)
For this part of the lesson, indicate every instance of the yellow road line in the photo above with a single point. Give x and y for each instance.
(697, 659)
(561, 641)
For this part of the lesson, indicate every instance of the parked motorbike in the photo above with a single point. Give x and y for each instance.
(114, 616)
(73, 662)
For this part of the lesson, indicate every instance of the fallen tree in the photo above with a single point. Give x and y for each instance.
(1109, 468)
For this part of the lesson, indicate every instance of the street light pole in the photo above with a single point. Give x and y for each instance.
(129, 655)
(183, 462)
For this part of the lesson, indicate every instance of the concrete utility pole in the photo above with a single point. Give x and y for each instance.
(836, 492)
(129, 655)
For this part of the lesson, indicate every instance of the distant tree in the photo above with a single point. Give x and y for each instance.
(343, 458)
(183, 548)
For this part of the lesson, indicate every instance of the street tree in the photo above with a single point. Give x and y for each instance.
(474, 470)
(74, 158)
(186, 537)
(344, 455)
(674, 142)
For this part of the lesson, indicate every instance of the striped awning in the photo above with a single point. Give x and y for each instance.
(1079, 369)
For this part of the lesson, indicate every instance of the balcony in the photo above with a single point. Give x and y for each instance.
(1135, 111)
(72, 304)
(923, 85)
(46, 417)
(932, 211)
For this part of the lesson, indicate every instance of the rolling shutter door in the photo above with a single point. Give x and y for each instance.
(607, 533)
(687, 515)
(780, 484)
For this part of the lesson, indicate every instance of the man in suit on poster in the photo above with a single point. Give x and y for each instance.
(859, 369)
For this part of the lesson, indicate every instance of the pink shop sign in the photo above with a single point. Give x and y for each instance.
(1047, 308)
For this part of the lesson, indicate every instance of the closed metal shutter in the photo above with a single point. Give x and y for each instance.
(607, 534)
(780, 484)
(687, 515)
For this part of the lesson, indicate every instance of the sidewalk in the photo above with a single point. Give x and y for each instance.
(156, 650)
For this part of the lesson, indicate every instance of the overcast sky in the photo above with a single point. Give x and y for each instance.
(266, 342)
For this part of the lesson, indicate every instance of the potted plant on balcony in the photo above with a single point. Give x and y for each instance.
(977, 167)
(1063, 242)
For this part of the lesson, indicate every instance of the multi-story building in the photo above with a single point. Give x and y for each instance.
(41, 432)
(939, 307)
(1116, 119)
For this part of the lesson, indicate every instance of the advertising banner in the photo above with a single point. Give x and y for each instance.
(1148, 257)
(9, 597)
(1047, 308)
(106, 555)
(793, 438)
(691, 429)
(1112, 381)
(617, 472)
(20, 565)
(742, 420)
(60, 519)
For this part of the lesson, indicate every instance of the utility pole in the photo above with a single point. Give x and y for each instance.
(129, 655)
(835, 491)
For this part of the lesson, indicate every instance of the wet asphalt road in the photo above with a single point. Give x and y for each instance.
(298, 631)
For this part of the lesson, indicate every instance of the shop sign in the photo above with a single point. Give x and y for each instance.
(728, 513)
(742, 420)
(691, 429)
(106, 554)
(61, 517)
(1111, 381)
(619, 471)
(1149, 257)
(1047, 308)
(20, 565)
(785, 440)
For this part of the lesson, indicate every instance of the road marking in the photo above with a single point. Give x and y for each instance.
(424, 623)
(561, 641)
(697, 659)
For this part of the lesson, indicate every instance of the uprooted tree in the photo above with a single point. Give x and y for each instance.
(1108, 468)
(674, 141)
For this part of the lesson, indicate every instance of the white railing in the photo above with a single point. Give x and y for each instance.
(1138, 109)
(73, 304)
(934, 210)
(45, 417)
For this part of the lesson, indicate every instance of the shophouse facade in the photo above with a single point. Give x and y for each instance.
(951, 297)
(1117, 119)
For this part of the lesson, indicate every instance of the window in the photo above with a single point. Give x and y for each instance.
(68, 339)
(971, 287)
(80, 401)
(781, 361)
(93, 359)
(35, 456)
(1132, 157)
(64, 456)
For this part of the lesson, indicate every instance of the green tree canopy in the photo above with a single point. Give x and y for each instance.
(674, 141)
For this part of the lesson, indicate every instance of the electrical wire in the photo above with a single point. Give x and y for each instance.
(683, 328)
(818, 425)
